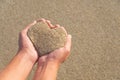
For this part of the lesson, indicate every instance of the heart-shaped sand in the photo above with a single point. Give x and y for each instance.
(46, 39)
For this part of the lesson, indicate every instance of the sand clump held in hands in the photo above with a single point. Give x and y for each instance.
(46, 39)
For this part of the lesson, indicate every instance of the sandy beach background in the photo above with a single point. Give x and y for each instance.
(93, 24)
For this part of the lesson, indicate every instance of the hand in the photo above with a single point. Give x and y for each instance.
(59, 55)
(25, 45)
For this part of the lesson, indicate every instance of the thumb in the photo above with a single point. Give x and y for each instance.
(30, 25)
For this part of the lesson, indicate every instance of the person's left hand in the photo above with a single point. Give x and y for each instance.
(25, 45)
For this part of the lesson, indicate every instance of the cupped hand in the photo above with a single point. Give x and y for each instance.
(59, 55)
(25, 44)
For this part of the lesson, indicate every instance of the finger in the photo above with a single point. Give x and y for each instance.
(30, 25)
(68, 43)
(40, 20)
(49, 24)
(57, 26)
(23, 33)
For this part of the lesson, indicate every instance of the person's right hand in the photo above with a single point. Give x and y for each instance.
(59, 55)
(48, 64)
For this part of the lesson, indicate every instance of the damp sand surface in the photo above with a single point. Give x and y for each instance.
(93, 24)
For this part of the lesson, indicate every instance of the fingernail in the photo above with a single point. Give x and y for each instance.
(48, 21)
(35, 21)
(70, 36)
(57, 25)
(39, 20)
(42, 19)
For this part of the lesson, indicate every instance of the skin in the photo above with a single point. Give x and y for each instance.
(22, 63)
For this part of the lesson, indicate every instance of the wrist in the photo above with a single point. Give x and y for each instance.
(53, 63)
(46, 70)
(26, 55)
(49, 63)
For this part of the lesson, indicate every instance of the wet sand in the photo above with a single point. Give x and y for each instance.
(94, 26)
